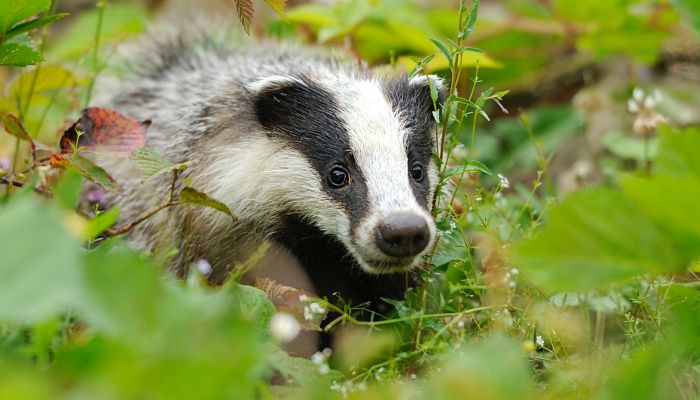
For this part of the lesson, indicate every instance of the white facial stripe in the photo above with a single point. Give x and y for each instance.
(283, 181)
(378, 143)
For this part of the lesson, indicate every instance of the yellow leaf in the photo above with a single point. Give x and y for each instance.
(278, 5)
(440, 63)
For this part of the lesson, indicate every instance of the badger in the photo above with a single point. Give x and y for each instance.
(311, 152)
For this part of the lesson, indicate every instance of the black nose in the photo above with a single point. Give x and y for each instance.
(403, 235)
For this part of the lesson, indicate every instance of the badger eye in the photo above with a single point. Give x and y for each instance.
(417, 171)
(338, 177)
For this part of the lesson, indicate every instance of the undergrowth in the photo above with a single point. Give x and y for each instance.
(527, 293)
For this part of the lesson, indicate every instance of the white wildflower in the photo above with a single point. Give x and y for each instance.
(632, 106)
(203, 267)
(638, 94)
(514, 271)
(539, 341)
(303, 298)
(284, 327)
(318, 358)
(505, 183)
(413, 377)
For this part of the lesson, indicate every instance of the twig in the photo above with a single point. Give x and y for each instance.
(132, 225)
(18, 184)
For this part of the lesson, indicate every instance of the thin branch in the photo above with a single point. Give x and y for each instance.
(132, 225)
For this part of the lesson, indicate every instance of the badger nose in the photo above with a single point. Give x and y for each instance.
(402, 235)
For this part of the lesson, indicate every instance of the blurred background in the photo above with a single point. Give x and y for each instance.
(571, 68)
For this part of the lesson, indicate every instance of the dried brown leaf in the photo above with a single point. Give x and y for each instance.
(244, 8)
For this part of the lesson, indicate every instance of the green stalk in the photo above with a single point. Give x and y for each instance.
(101, 5)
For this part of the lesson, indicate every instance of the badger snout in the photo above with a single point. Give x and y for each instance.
(402, 234)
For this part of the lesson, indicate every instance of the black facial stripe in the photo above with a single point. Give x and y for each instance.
(306, 116)
(414, 105)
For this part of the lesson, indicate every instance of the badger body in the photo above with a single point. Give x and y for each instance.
(317, 155)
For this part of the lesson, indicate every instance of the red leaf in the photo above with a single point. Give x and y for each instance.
(105, 129)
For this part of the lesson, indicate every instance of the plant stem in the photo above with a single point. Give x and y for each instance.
(101, 5)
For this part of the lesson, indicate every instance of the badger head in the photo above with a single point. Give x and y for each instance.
(358, 160)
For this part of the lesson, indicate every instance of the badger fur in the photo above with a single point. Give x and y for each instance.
(317, 155)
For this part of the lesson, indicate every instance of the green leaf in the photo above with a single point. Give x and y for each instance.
(67, 191)
(471, 21)
(254, 305)
(626, 146)
(151, 163)
(595, 238)
(14, 126)
(678, 152)
(88, 169)
(112, 307)
(120, 21)
(486, 366)
(479, 166)
(689, 11)
(14, 11)
(190, 195)
(33, 24)
(19, 51)
(43, 80)
(672, 205)
(40, 267)
(312, 14)
(101, 222)
(444, 50)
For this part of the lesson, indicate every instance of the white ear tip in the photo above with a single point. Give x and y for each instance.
(423, 80)
(271, 82)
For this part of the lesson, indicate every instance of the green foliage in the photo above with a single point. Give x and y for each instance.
(16, 46)
(193, 196)
(605, 236)
(151, 163)
(530, 291)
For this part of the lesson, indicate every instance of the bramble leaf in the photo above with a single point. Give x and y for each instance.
(19, 51)
(151, 163)
(190, 195)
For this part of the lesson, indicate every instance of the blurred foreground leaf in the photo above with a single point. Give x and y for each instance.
(40, 264)
(604, 236)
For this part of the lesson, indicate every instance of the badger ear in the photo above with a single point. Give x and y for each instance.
(285, 104)
(272, 83)
(434, 82)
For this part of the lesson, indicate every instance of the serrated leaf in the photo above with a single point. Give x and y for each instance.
(151, 163)
(244, 8)
(190, 195)
(15, 11)
(33, 24)
(19, 51)
(88, 169)
(278, 5)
